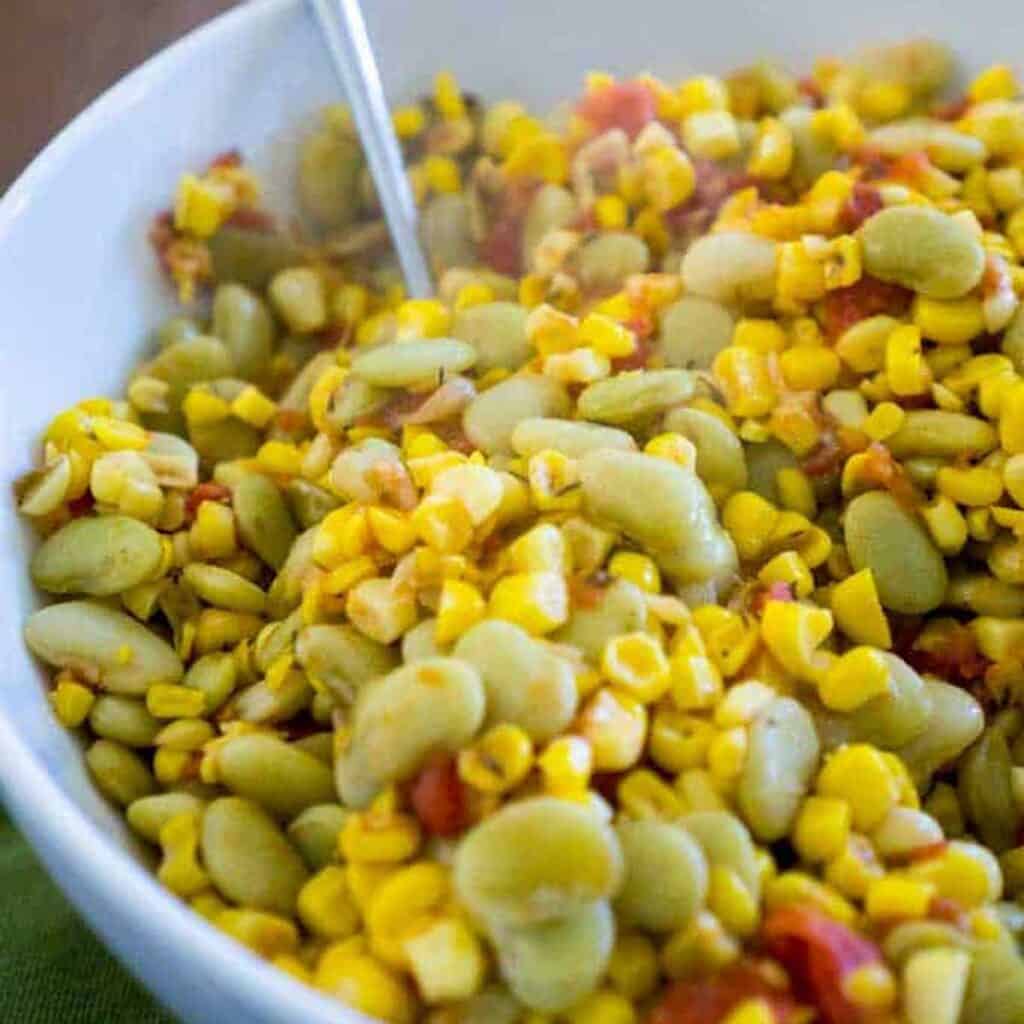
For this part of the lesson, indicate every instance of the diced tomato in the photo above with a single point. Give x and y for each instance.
(501, 248)
(439, 797)
(826, 457)
(454, 436)
(291, 420)
(251, 219)
(874, 164)
(637, 359)
(586, 591)
(777, 591)
(910, 168)
(953, 110)
(626, 105)
(809, 87)
(936, 849)
(161, 235)
(714, 184)
(844, 307)
(819, 952)
(710, 1000)
(942, 908)
(208, 491)
(229, 158)
(864, 202)
(957, 659)
(81, 505)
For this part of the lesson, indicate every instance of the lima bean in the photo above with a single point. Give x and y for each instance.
(693, 331)
(946, 147)
(262, 705)
(119, 773)
(982, 594)
(177, 328)
(897, 717)
(248, 857)
(419, 364)
(986, 790)
(491, 418)
(1013, 341)
(782, 756)
(175, 463)
(936, 432)
(215, 675)
(666, 875)
(330, 162)
(315, 833)
(497, 330)
(677, 517)
(124, 720)
(308, 503)
(731, 267)
(434, 704)
(720, 460)
(995, 990)
(97, 555)
(242, 321)
(552, 207)
(571, 437)
(447, 231)
(525, 684)
(922, 249)
(606, 261)
(223, 588)
(726, 842)
(553, 964)
(92, 639)
(881, 535)
(537, 860)
(356, 471)
(620, 609)
(274, 774)
(149, 814)
(764, 460)
(250, 256)
(342, 658)
(419, 643)
(186, 363)
(635, 396)
(813, 153)
(264, 523)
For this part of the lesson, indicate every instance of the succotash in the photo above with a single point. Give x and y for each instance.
(632, 632)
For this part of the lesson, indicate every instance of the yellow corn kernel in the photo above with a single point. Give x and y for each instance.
(822, 829)
(478, 488)
(408, 121)
(72, 702)
(342, 535)
(712, 134)
(882, 100)
(208, 904)
(860, 675)
(615, 726)
(759, 335)
(498, 761)
(751, 1011)
(668, 178)
(601, 1007)
(843, 265)
(537, 601)
(800, 278)
(948, 321)
(344, 577)
(699, 791)
(380, 609)
(796, 492)
(870, 987)
(796, 887)
(446, 960)
(994, 83)
(170, 766)
(696, 683)
(643, 794)
(268, 935)
(402, 904)
(727, 754)
(280, 457)
(611, 212)
(203, 408)
(365, 984)
(638, 569)
(673, 447)
(855, 867)
(772, 154)
(946, 524)
(701, 93)
(884, 420)
(606, 336)
(542, 154)
(448, 97)
(119, 435)
(379, 837)
(164, 700)
(1011, 419)
(731, 641)
(976, 487)
(253, 407)
(966, 872)
(858, 611)
(744, 379)
(565, 766)
(896, 897)
(551, 331)
(789, 568)
(743, 703)
(636, 663)
(858, 773)
(906, 370)
(391, 530)
(633, 967)
(201, 205)
(460, 607)
(793, 632)
(679, 742)
(731, 901)
(934, 985)
(180, 870)
(443, 523)
(702, 947)
(838, 124)
(424, 318)
(750, 520)
(185, 734)
(325, 905)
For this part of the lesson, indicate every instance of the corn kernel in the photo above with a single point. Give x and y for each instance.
(859, 774)
(789, 568)
(751, 1011)
(854, 868)
(202, 205)
(179, 869)
(950, 321)
(744, 379)
(679, 742)
(565, 766)
(443, 523)
(325, 905)
(381, 610)
(772, 153)
(896, 897)
(858, 610)
(611, 212)
(72, 702)
(446, 961)
(537, 601)
(696, 683)
(966, 872)
(498, 761)
(253, 407)
(448, 97)
(712, 134)
(793, 632)
(727, 753)
(266, 934)
(702, 947)
(934, 985)
(860, 675)
(638, 569)
(795, 887)
(365, 984)
(870, 987)
(643, 794)
(602, 1007)
(379, 837)
(822, 829)
(615, 726)
(636, 663)
(905, 367)
(731, 901)
(461, 607)
(974, 487)
(750, 520)
(702, 93)
(946, 524)
(994, 83)
(633, 967)
(809, 369)
(668, 179)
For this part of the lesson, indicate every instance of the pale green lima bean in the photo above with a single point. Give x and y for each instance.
(342, 658)
(497, 330)
(942, 434)
(721, 463)
(124, 720)
(264, 523)
(730, 267)
(149, 814)
(419, 365)
(119, 773)
(727, 843)
(242, 321)
(223, 588)
(315, 833)
(491, 418)
(693, 331)
(571, 437)
(621, 608)
(635, 396)
(552, 207)
(606, 261)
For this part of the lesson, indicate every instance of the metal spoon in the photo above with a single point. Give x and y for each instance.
(345, 33)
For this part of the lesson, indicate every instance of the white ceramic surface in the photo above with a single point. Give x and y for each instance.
(79, 291)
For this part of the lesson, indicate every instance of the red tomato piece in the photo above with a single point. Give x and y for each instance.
(819, 952)
(208, 491)
(844, 307)
(439, 797)
(710, 1000)
(864, 202)
(625, 105)
(81, 505)
(502, 246)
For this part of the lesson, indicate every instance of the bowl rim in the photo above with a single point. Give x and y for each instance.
(44, 813)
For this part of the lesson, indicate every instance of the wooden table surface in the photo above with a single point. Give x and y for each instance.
(58, 55)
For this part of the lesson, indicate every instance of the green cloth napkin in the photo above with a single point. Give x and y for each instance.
(52, 968)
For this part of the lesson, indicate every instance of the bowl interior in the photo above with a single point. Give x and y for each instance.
(81, 291)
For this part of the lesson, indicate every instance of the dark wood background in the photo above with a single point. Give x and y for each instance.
(58, 55)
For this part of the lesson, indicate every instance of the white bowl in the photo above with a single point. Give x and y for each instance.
(79, 291)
